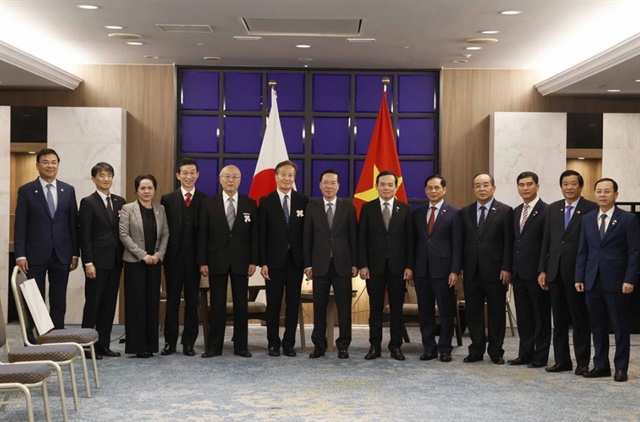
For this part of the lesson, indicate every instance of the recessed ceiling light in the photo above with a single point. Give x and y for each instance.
(473, 48)
(87, 7)
(244, 38)
(303, 46)
(511, 12)
(124, 36)
(306, 65)
(613, 90)
(489, 32)
(482, 40)
(637, 80)
(361, 39)
(406, 47)
(200, 44)
(135, 43)
(580, 158)
(114, 27)
(459, 61)
(151, 57)
(32, 152)
(211, 58)
(305, 59)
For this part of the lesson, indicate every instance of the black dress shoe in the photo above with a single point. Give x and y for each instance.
(472, 358)
(374, 352)
(87, 355)
(597, 373)
(110, 353)
(243, 353)
(289, 352)
(187, 350)
(141, 355)
(428, 355)
(317, 352)
(537, 364)
(343, 354)
(620, 376)
(274, 352)
(559, 368)
(518, 361)
(498, 360)
(581, 370)
(168, 350)
(148, 354)
(445, 357)
(210, 354)
(397, 354)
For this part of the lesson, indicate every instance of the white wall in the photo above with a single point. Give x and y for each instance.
(5, 177)
(621, 154)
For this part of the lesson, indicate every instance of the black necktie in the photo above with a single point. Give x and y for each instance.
(109, 208)
(483, 217)
(603, 217)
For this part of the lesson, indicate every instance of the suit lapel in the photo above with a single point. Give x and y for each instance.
(612, 224)
(138, 218)
(491, 212)
(40, 195)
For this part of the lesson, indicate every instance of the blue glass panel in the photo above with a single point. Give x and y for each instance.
(247, 168)
(199, 134)
(300, 175)
(340, 166)
(242, 134)
(331, 93)
(357, 170)
(416, 136)
(369, 90)
(199, 91)
(292, 129)
(243, 91)
(364, 131)
(416, 93)
(290, 89)
(330, 135)
(414, 174)
(208, 180)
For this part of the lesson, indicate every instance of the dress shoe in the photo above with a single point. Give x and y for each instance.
(187, 350)
(108, 352)
(343, 354)
(210, 354)
(374, 352)
(498, 360)
(317, 352)
(148, 354)
(243, 353)
(87, 355)
(620, 376)
(597, 373)
(168, 350)
(289, 352)
(581, 370)
(274, 352)
(428, 355)
(472, 358)
(537, 364)
(559, 368)
(397, 354)
(445, 357)
(142, 355)
(518, 361)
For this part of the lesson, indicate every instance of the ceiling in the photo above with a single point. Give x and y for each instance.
(578, 47)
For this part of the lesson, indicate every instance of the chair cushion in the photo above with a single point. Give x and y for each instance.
(57, 353)
(253, 307)
(24, 373)
(66, 335)
(407, 309)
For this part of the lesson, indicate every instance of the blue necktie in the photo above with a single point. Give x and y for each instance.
(603, 217)
(285, 208)
(567, 216)
(52, 205)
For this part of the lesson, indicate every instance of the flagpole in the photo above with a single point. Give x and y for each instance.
(385, 82)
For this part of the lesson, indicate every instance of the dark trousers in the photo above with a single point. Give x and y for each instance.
(141, 306)
(239, 292)
(533, 310)
(476, 292)
(430, 291)
(376, 287)
(58, 279)
(179, 275)
(342, 290)
(615, 304)
(285, 281)
(101, 296)
(568, 305)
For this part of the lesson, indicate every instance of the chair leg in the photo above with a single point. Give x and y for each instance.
(74, 386)
(27, 397)
(303, 341)
(5, 400)
(86, 374)
(405, 334)
(95, 365)
(510, 315)
(63, 399)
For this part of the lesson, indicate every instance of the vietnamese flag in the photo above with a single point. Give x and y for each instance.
(272, 152)
(382, 155)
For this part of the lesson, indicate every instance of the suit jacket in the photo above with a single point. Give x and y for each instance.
(615, 257)
(439, 254)
(376, 244)
(528, 243)
(491, 250)
(224, 249)
(99, 237)
(132, 232)
(36, 234)
(560, 246)
(276, 237)
(172, 203)
(319, 241)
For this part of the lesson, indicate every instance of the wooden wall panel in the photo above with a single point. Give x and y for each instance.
(591, 171)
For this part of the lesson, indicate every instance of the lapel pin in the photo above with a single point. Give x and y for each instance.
(613, 223)
(36, 191)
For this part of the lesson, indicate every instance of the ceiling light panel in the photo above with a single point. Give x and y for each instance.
(303, 27)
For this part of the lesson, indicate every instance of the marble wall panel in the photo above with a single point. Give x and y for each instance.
(5, 177)
(621, 153)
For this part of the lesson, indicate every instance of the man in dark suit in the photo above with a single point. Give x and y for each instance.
(182, 208)
(101, 250)
(46, 232)
(557, 274)
(607, 268)
(488, 254)
(330, 254)
(228, 251)
(438, 262)
(281, 215)
(533, 304)
(385, 258)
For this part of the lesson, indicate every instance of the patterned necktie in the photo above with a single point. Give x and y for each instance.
(231, 213)
(525, 215)
(50, 202)
(109, 208)
(330, 214)
(432, 220)
(603, 217)
(187, 199)
(567, 216)
(285, 208)
(483, 216)
(386, 215)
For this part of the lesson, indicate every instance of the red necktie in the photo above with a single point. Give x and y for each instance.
(432, 219)
(187, 200)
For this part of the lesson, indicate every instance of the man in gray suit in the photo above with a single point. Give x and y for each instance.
(329, 247)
